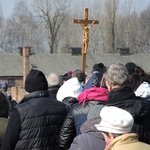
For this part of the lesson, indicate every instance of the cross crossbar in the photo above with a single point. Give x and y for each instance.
(86, 21)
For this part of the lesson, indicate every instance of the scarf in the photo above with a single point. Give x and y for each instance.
(94, 93)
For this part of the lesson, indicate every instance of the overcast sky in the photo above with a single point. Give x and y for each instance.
(8, 5)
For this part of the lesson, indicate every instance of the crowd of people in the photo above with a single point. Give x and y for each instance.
(108, 109)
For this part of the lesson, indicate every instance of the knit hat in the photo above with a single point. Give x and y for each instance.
(35, 81)
(71, 88)
(130, 67)
(99, 67)
(115, 120)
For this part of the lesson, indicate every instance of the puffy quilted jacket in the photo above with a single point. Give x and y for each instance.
(41, 119)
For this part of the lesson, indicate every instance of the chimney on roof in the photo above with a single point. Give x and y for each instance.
(25, 53)
(75, 50)
(124, 51)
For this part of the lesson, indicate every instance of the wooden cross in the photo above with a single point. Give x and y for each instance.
(84, 24)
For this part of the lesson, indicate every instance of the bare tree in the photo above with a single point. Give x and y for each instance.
(110, 25)
(52, 13)
(2, 33)
(49, 27)
(145, 30)
(23, 30)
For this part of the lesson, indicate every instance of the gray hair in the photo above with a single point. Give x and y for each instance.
(53, 79)
(117, 74)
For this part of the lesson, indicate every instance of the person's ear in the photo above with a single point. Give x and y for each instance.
(106, 137)
(109, 87)
(111, 136)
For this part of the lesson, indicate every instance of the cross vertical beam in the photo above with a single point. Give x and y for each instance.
(85, 26)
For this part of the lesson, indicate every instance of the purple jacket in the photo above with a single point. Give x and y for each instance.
(90, 138)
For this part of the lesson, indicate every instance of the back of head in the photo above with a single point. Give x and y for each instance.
(138, 77)
(53, 79)
(79, 74)
(130, 67)
(117, 74)
(35, 81)
(3, 86)
(99, 67)
(115, 120)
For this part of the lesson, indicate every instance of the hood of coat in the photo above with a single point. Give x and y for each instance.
(89, 125)
(143, 90)
(71, 88)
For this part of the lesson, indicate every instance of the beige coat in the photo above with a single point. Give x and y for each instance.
(3, 124)
(127, 142)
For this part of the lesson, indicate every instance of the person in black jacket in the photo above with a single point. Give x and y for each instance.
(78, 114)
(4, 89)
(4, 113)
(121, 95)
(36, 121)
(4, 106)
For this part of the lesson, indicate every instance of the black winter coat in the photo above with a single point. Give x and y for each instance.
(71, 126)
(140, 109)
(69, 101)
(35, 123)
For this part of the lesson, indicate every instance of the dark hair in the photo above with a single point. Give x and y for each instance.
(79, 74)
(100, 67)
(130, 67)
(138, 77)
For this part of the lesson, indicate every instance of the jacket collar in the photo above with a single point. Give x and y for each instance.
(122, 140)
(36, 94)
(120, 94)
